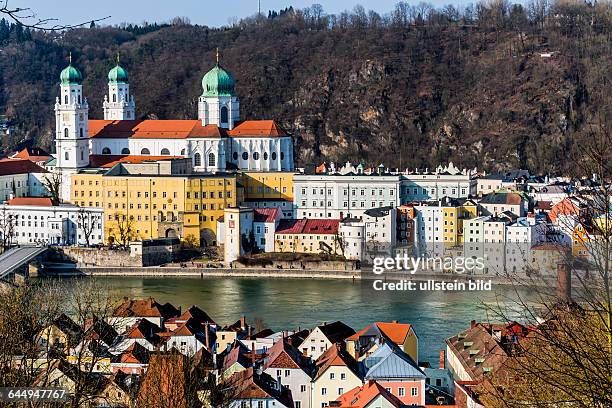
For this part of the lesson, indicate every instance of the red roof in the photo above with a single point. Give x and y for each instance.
(290, 226)
(307, 226)
(321, 227)
(40, 201)
(257, 128)
(265, 214)
(360, 397)
(109, 160)
(35, 154)
(179, 129)
(19, 166)
(396, 332)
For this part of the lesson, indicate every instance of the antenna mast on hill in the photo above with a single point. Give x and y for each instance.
(259, 7)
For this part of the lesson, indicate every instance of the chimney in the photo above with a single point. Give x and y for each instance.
(394, 321)
(206, 334)
(243, 322)
(442, 359)
(472, 324)
(564, 282)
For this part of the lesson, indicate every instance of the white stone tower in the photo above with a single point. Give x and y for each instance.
(218, 104)
(71, 110)
(119, 104)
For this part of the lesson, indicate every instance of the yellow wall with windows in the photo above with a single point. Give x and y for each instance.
(267, 185)
(303, 243)
(195, 202)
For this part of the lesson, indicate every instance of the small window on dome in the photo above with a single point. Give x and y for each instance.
(265, 156)
(245, 156)
(256, 156)
(273, 155)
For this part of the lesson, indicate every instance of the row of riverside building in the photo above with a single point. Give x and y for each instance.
(218, 180)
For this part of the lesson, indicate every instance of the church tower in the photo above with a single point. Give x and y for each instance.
(71, 110)
(218, 104)
(119, 104)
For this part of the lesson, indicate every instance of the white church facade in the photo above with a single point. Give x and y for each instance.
(216, 141)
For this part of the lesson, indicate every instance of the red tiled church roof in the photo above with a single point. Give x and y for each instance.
(109, 160)
(180, 129)
(19, 166)
(39, 201)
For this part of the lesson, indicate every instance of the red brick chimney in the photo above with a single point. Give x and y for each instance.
(442, 359)
(207, 334)
(472, 324)
(564, 282)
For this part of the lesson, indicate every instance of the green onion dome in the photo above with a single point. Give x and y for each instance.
(70, 76)
(118, 75)
(218, 82)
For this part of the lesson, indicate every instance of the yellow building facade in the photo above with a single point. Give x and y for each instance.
(140, 207)
(453, 216)
(274, 185)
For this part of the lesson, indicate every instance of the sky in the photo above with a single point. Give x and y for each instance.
(204, 12)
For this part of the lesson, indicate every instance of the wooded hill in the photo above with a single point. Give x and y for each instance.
(493, 85)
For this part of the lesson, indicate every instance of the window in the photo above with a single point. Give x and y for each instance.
(303, 388)
(66, 156)
(340, 391)
(282, 156)
(256, 156)
(332, 376)
(114, 97)
(265, 156)
(197, 159)
(106, 150)
(343, 376)
(235, 156)
(145, 151)
(297, 404)
(80, 132)
(65, 99)
(224, 114)
(211, 159)
(401, 392)
(414, 391)
(66, 132)
(125, 150)
(165, 152)
(273, 155)
(323, 391)
(245, 156)
(260, 404)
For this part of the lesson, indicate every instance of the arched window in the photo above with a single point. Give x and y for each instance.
(211, 160)
(65, 99)
(197, 160)
(182, 152)
(224, 114)
(282, 156)
(66, 156)
(106, 150)
(165, 152)
(114, 97)
(65, 132)
(125, 150)
(265, 155)
(79, 98)
(273, 155)
(256, 156)
(81, 155)
(245, 156)
(235, 155)
(80, 132)
(145, 152)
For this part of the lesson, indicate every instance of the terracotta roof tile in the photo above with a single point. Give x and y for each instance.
(39, 201)
(106, 161)
(19, 166)
(360, 397)
(266, 214)
(180, 129)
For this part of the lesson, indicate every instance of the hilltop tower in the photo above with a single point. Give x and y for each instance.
(218, 104)
(119, 104)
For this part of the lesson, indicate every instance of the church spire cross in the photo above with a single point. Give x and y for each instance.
(117, 58)
(70, 58)
(217, 55)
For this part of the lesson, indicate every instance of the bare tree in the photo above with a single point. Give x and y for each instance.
(86, 222)
(53, 184)
(26, 17)
(125, 228)
(7, 228)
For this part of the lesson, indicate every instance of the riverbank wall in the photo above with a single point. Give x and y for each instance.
(270, 273)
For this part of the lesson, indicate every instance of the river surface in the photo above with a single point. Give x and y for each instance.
(292, 303)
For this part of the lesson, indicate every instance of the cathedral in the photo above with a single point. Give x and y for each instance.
(216, 141)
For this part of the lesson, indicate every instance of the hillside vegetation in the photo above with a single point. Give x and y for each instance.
(409, 89)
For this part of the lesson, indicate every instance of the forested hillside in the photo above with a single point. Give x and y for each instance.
(494, 85)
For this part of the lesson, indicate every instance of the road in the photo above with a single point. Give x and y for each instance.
(15, 257)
